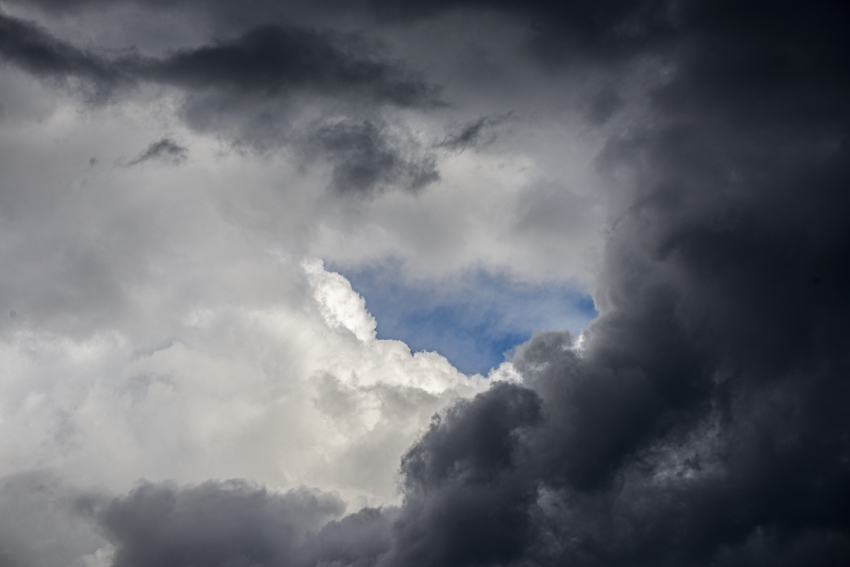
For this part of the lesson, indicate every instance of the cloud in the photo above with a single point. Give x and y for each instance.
(700, 420)
(365, 158)
(461, 505)
(247, 89)
(267, 61)
(667, 437)
(231, 522)
(45, 522)
(165, 150)
(30, 47)
(475, 320)
(274, 60)
(472, 134)
(302, 396)
(226, 523)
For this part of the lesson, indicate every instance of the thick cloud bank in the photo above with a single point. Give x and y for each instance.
(700, 420)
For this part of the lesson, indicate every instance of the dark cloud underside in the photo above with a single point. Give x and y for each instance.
(273, 60)
(29, 47)
(268, 61)
(243, 88)
(237, 523)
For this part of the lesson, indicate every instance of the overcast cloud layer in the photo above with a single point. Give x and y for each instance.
(184, 382)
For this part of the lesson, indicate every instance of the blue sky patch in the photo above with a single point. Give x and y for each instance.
(475, 321)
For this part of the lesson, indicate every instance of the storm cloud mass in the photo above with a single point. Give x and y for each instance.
(188, 385)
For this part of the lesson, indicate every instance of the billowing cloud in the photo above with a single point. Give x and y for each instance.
(284, 394)
(190, 336)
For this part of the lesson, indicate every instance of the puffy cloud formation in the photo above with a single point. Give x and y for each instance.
(290, 394)
(699, 420)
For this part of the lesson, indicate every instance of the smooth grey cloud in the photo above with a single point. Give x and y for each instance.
(44, 522)
(238, 523)
(557, 31)
(165, 150)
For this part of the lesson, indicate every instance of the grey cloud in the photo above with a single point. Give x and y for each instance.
(268, 61)
(366, 158)
(580, 29)
(473, 134)
(463, 503)
(165, 150)
(603, 105)
(238, 523)
(31, 48)
(243, 88)
(273, 60)
(43, 522)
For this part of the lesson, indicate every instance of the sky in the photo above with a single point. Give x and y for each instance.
(385, 283)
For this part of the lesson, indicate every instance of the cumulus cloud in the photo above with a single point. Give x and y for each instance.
(327, 402)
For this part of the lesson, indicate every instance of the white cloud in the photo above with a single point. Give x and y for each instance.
(299, 392)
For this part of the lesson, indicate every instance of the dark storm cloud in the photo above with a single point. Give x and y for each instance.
(29, 47)
(705, 421)
(273, 60)
(365, 158)
(464, 504)
(581, 29)
(244, 88)
(238, 523)
(165, 150)
(269, 61)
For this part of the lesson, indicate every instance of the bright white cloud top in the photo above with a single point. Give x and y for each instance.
(291, 393)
